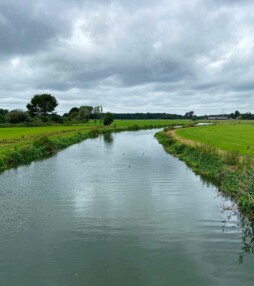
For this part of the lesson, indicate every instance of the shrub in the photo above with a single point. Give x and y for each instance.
(108, 119)
(46, 144)
(17, 116)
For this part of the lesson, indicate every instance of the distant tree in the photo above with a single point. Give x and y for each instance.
(73, 110)
(247, 116)
(3, 113)
(42, 104)
(232, 115)
(189, 114)
(56, 118)
(2, 118)
(237, 114)
(97, 113)
(85, 113)
(88, 109)
(73, 113)
(83, 116)
(108, 119)
(17, 116)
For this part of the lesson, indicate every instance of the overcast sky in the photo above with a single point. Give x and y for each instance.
(129, 56)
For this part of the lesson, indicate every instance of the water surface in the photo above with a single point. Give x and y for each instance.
(118, 210)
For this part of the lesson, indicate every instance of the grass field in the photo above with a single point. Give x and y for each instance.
(225, 137)
(20, 137)
(17, 133)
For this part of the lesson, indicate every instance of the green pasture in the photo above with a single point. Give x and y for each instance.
(17, 133)
(16, 137)
(225, 136)
(24, 132)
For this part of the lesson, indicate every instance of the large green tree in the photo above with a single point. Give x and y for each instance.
(42, 104)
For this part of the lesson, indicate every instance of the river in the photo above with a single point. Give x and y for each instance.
(118, 210)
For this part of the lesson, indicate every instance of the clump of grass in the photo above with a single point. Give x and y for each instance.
(93, 133)
(178, 148)
(208, 149)
(232, 157)
(48, 147)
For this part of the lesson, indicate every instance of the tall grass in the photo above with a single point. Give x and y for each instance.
(232, 174)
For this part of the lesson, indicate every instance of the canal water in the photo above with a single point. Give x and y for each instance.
(118, 210)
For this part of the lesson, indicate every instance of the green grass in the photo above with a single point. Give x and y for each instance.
(225, 137)
(21, 133)
(235, 178)
(16, 137)
(16, 142)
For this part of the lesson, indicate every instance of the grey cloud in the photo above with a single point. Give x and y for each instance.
(128, 56)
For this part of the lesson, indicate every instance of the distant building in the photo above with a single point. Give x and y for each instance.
(217, 118)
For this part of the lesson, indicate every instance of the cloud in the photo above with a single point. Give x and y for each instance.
(148, 56)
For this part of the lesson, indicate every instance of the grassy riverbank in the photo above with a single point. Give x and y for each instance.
(233, 174)
(19, 145)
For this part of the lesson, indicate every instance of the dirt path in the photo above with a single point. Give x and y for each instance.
(181, 139)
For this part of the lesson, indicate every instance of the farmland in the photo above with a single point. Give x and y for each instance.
(226, 137)
(13, 139)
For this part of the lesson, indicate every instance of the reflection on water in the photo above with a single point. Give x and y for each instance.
(108, 138)
(234, 219)
(247, 228)
(119, 211)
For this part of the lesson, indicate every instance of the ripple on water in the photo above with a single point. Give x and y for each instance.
(93, 216)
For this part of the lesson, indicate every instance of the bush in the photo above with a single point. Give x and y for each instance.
(108, 119)
(56, 118)
(46, 144)
(17, 116)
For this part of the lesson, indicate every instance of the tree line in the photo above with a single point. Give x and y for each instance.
(41, 109)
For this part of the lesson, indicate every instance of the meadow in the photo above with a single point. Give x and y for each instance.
(15, 142)
(231, 173)
(227, 136)
(12, 134)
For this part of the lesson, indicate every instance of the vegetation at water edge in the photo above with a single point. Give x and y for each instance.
(233, 174)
